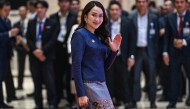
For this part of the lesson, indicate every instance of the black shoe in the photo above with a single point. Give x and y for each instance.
(153, 105)
(127, 106)
(133, 104)
(15, 98)
(180, 99)
(30, 94)
(171, 105)
(117, 103)
(52, 107)
(163, 98)
(187, 103)
(19, 88)
(38, 107)
(6, 106)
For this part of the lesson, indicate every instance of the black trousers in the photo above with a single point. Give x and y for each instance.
(9, 84)
(175, 68)
(43, 72)
(117, 80)
(62, 74)
(21, 66)
(147, 64)
(3, 64)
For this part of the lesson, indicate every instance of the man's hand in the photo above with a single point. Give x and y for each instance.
(178, 43)
(162, 32)
(38, 53)
(18, 39)
(14, 31)
(130, 62)
(166, 60)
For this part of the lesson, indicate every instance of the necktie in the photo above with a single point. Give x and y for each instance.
(7, 23)
(180, 26)
(39, 31)
(22, 27)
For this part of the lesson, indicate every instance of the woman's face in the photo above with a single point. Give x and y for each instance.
(94, 18)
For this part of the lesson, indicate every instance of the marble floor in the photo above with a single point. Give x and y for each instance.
(28, 103)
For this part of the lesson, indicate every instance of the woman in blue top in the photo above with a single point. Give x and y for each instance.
(89, 48)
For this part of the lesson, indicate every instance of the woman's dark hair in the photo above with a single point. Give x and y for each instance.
(114, 3)
(102, 31)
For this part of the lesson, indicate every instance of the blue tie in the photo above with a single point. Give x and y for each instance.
(7, 23)
(39, 32)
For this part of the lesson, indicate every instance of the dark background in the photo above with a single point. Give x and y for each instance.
(16, 3)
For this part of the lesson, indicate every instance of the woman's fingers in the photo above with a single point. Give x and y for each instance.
(118, 37)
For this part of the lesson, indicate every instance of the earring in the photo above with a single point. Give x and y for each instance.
(85, 21)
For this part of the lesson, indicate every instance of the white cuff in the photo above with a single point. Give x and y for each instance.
(184, 42)
(9, 33)
(165, 53)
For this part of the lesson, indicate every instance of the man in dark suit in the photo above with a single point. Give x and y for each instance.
(21, 47)
(161, 67)
(65, 20)
(176, 47)
(118, 74)
(41, 37)
(146, 29)
(123, 12)
(5, 44)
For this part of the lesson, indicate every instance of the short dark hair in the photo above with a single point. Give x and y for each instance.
(138, 0)
(32, 3)
(152, 3)
(43, 3)
(3, 3)
(185, 0)
(172, 1)
(64, 0)
(114, 3)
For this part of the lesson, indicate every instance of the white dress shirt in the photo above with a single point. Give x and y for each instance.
(63, 24)
(74, 27)
(38, 43)
(115, 29)
(142, 23)
(33, 15)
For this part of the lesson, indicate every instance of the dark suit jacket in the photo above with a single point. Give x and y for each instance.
(71, 20)
(128, 43)
(19, 47)
(5, 41)
(49, 37)
(172, 32)
(124, 13)
(152, 40)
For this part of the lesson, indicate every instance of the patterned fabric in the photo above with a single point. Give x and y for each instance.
(103, 104)
(98, 95)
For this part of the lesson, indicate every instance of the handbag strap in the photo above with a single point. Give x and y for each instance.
(89, 103)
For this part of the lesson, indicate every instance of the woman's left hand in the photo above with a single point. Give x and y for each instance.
(115, 44)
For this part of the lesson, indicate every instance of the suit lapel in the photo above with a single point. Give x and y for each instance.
(121, 25)
(44, 26)
(186, 17)
(135, 21)
(174, 22)
(35, 26)
(4, 23)
(148, 25)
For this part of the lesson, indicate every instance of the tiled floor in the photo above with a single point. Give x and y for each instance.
(28, 103)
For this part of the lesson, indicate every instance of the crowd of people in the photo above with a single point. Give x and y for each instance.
(155, 41)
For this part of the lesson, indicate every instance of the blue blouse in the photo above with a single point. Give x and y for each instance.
(89, 59)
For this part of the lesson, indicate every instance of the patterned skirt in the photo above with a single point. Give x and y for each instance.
(98, 95)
